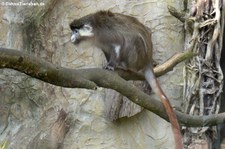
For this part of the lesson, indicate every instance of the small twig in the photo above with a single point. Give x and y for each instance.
(180, 15)
(173, 61)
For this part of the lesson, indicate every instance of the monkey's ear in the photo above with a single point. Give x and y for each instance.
(87, 27)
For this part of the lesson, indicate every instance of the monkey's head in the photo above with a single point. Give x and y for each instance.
(81, 30)
(90, 26)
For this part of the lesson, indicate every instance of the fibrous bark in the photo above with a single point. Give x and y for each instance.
(203, 75)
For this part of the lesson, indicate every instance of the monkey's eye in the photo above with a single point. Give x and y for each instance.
(72, 27)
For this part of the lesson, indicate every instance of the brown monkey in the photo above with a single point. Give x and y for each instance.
(126, 44)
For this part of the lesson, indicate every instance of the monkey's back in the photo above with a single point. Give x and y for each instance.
(133, 37)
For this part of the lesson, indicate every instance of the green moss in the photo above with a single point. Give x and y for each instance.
(3, 146)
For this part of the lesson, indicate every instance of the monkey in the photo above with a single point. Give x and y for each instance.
(126, 44)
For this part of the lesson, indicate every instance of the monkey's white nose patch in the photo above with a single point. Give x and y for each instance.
(73, 37)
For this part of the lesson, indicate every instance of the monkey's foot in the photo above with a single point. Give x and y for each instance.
(108, 67)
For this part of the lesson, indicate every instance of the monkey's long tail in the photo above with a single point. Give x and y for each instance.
(150, 77)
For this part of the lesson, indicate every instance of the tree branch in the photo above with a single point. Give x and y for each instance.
(91, 78)
(160, 69)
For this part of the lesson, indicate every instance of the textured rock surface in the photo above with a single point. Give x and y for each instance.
(29, 108)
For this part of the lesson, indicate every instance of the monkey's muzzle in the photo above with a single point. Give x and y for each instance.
(74, 36)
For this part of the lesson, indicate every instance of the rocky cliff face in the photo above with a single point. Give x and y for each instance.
(31, 110)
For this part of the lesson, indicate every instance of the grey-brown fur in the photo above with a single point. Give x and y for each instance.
(128, 32)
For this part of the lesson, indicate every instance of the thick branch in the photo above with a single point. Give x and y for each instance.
(43, 70)
(91, 78)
